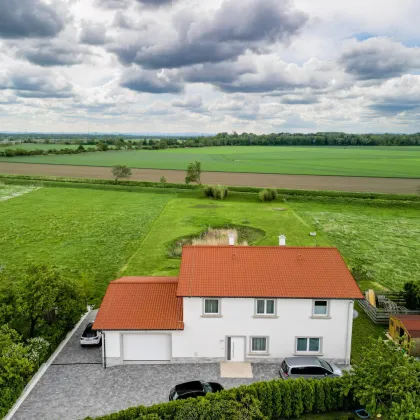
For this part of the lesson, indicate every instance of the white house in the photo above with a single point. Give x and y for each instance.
(233, 303)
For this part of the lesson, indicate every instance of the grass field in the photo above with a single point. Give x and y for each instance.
(106, 233)
(384, 240)
(39, 146)
(185, 216)
(81, 232)
(398, 162)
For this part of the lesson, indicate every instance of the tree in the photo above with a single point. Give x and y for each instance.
(103, 147)
(384, 375)
(81, 148)
(193, 173)
(121, 171)
(163, 180)
(46, 304)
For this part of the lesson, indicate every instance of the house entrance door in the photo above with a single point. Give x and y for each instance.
(235, 349)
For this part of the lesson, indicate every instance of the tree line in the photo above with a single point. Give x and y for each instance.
(36, 312)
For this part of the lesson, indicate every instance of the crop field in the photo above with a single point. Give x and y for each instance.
(393, 162)
(38, 146)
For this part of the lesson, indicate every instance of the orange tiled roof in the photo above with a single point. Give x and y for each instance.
(411, 324)
(141, 303)
(258, 271)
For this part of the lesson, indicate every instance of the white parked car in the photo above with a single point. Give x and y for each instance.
(90, 337)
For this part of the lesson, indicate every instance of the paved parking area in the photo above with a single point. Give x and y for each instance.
(76, 385)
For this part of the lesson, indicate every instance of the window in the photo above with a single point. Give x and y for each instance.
(320, 308)
(308, 370)
(308, 345)
(265, 307)
(259, 345)
(211, 307)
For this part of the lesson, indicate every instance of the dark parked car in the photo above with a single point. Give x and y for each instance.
(90, 337)
(308, 367)
(193, 389)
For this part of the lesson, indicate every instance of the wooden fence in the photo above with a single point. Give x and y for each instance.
(381, 315)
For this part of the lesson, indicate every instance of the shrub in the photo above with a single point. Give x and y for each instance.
(268, 195)
(218, 192)
(412, 295)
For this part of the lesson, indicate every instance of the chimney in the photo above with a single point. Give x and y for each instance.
(282, 240)
(231, 238)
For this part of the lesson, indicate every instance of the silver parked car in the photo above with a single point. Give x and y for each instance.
(90, 337)
(308, 367)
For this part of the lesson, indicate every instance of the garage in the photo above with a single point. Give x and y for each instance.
(146, 347)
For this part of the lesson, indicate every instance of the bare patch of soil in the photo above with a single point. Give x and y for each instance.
(304, 182)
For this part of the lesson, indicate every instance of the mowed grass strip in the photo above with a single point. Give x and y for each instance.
(395, 162)
(186, 216)
(84, 233)
(385, 240)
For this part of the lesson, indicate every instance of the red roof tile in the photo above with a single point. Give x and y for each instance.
(411, 324)
(141, 303)
(258, 271)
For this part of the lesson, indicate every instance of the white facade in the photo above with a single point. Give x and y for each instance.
(205, 337)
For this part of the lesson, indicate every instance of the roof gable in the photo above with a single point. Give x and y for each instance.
(258, 271)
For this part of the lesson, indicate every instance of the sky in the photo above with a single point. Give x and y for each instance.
(209, 66)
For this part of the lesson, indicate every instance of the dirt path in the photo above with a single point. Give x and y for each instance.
(308, 182)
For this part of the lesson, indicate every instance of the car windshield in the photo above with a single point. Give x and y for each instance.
(325, 365)
(89, 333)
(207, 387)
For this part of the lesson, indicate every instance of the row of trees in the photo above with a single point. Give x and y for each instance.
(35, 314)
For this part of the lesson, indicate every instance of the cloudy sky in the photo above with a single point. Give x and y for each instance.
(209, 65)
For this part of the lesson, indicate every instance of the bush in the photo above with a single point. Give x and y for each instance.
(272, 400)
(218, 192)
(412, 295)
(268, 195)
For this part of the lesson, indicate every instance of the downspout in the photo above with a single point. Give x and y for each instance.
(349, 329)
(104, 349)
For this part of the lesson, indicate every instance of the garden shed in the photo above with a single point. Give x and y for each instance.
(409, 326)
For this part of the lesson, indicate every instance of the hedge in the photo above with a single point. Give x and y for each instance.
(279, 398)
(288, 193)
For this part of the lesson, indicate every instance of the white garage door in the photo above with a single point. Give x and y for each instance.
(147, 347)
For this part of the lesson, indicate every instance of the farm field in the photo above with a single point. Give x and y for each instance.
(39, 146)
(393, 162)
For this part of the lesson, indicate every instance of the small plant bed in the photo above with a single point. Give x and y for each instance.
(243, 235)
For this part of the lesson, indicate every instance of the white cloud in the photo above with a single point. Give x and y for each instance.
(219, 65)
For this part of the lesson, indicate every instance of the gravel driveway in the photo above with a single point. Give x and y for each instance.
(76, 385)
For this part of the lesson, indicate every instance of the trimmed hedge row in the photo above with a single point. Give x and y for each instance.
(284, 192)
(279, 399)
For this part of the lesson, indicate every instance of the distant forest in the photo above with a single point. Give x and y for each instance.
(222, 139)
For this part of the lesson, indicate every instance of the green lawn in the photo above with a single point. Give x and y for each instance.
(346, 161)
(363, 328)
(185, 216)
(385, 240)
(81, 232)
